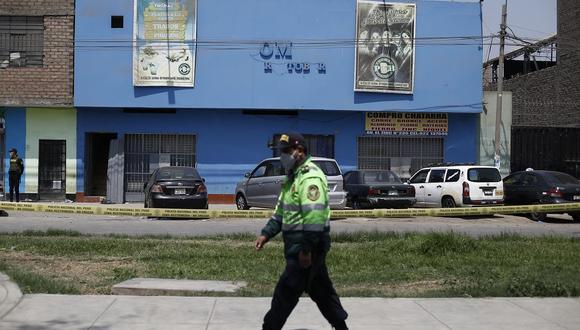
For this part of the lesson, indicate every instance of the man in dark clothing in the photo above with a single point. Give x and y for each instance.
(14, 174)
(303, 216)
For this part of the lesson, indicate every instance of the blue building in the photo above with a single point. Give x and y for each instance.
(264, 67)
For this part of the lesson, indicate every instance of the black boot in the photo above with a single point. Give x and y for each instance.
(340, 326)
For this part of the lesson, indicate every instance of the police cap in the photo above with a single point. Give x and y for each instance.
(290, 140)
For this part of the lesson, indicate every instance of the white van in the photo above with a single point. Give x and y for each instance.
(457, 185)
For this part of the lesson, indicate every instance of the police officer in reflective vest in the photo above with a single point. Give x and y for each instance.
(302, 214)
(14, 174)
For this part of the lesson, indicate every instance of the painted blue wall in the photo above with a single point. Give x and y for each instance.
(447, 76)
(15, 137)
(230, 143)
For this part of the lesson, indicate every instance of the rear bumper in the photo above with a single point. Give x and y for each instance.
(179, 202)
(391, 202)
(485, 202)
(337, 200)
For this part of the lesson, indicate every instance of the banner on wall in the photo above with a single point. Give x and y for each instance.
(385, 47)
(406, 123)
(164, 36)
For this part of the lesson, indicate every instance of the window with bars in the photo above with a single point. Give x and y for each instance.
(21, 41)
(402, 155)
(317, 145)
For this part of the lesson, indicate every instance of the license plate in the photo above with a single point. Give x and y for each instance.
(393, 193)
(488, 192)
(577, 197)
(179, 192)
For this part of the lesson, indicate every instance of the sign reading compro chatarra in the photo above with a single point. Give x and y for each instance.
(406, 123)
(164, 43)
(385, 47)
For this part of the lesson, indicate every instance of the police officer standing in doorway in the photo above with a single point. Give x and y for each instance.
(14, 174)
(303, 215)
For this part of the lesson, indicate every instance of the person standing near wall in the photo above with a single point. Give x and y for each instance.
(14, 173)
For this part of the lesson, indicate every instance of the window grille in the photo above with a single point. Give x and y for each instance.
(21, 41)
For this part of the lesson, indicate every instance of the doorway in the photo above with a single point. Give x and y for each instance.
(96, 162)
(51, 169)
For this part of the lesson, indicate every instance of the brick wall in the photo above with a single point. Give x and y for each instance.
(551, 97)
(51, 84)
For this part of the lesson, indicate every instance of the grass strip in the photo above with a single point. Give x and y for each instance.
(361, 264)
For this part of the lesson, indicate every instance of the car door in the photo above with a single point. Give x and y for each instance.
(254, 185)
(530, 190)
(418, 181)
(434, 187)
(512, 186)
(272, 184)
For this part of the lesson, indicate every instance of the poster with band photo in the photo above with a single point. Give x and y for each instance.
(385, 47)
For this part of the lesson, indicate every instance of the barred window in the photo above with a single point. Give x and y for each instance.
(317, 145)
(21, 41)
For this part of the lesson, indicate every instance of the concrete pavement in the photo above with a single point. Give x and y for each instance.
(41, 311)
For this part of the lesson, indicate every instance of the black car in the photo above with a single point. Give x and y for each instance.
(541, 187)
(176, 187)
(377, 189)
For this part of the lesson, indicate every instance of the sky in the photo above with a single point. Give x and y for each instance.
(530, 20)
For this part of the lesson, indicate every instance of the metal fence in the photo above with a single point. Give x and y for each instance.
(146, 152)
(402, 155)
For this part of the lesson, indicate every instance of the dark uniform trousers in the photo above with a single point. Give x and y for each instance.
(313, 280)
(14, 182)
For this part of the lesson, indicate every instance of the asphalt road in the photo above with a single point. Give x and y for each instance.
(134, 226)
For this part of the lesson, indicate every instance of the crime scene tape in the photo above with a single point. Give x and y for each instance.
(256, 214)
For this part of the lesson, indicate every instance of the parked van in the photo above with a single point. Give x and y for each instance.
(458, 185)
(262, 186)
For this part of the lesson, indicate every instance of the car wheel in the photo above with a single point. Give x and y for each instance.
(575, 217)
(241, 202)
(448, 202)
(356, 205)
(538, 216)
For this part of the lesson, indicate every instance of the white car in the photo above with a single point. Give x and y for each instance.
(458, 185)
(261, 187)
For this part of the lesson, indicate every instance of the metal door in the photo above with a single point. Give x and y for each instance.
(52, 169)
(146, 152)
(402, 155)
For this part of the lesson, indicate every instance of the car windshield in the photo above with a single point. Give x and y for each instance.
(483, 174)
(380, 177)
(177, 173)
(328, 167)
(563, 178)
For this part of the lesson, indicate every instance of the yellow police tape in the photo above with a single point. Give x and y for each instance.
(335, 214)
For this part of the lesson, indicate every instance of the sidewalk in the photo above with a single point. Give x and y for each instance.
(40, 311)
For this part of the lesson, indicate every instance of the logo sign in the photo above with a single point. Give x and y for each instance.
(164, 49)
(385, 47)
(277, 57)
(406, 123)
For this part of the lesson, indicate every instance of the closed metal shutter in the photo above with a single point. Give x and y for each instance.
(402, 155)
(146, 152)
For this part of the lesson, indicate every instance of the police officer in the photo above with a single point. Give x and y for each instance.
(14, 174)
(302, 214)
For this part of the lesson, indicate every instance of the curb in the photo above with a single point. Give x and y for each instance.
(10, 295)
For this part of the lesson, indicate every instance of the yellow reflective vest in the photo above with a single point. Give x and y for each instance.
(302, 212)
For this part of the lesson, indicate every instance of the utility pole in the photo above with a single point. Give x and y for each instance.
(500, 75)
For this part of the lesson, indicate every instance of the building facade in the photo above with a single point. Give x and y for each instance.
(36, 94)
(543, 81)
(262, 68)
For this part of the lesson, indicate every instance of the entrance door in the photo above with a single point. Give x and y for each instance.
(96, 162)
(52, 169)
